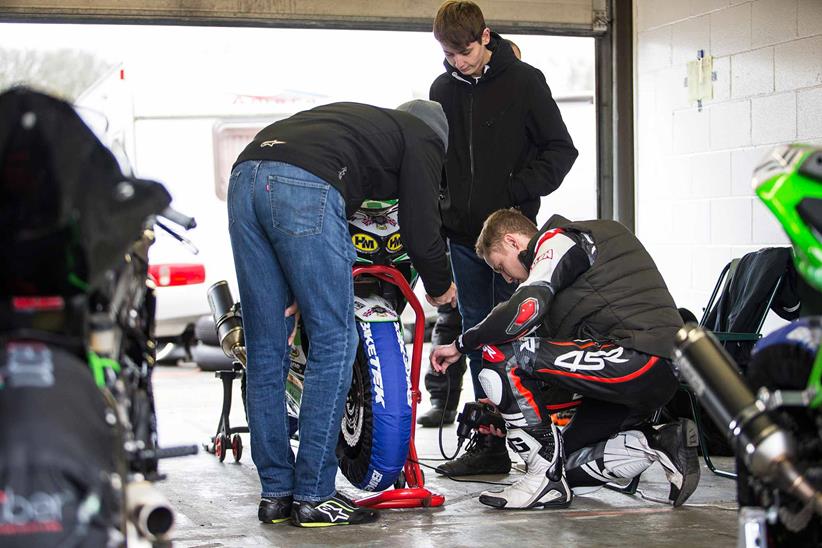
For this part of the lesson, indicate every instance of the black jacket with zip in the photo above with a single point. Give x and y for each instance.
(374, 153)
(507, 143)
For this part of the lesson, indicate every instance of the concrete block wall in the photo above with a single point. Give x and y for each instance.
(696, 208)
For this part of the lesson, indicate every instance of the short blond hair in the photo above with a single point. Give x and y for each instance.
(500, 223)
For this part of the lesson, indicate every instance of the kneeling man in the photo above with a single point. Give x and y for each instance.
(591, 325)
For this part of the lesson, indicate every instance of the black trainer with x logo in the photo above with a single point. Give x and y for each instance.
(337, 510)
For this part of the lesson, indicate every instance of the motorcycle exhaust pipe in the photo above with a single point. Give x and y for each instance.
(766, 449)
(228, 321)
(149, 510)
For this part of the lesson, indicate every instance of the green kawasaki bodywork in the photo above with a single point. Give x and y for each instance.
(781, 185)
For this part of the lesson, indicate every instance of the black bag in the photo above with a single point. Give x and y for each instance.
(56, 450)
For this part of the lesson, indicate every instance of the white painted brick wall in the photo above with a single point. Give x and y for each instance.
(773, 21)
(809, 113)
(656, 221)
(693, 221)
(707, 263)
(700, 7)
(731, 220)
(653, 13)
(773, 118)
(711, 175)
(696, 208)
(670, 261)
(752, 73)
(655, 48)
(810, 17)
(691, 131)
(722, 84)
(671, 92)
(743, 162)
(678, 173)
(798, 64)
(730, 30)
(688, 37)
(730, 125)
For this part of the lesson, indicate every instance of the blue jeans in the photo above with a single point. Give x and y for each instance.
(479, 290)
(290, 240)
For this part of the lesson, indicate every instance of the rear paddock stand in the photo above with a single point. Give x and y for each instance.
(414, 494)
(227, 438)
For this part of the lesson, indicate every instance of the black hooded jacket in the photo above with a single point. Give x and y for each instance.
(368, 152)
(508, 145)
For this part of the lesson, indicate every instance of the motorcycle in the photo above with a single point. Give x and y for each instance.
(375, 445)
(771, 412)
(78, 438)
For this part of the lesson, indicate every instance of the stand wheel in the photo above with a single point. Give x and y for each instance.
(405, 480)
(237, 447)
(220, 446)
(400, 481)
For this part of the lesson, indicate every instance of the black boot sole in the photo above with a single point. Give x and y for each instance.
(476, 472)
(499, 503)
(688, 454)
(308, 524)
(427, 421)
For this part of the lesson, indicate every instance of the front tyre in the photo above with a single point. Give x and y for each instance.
(376, 424)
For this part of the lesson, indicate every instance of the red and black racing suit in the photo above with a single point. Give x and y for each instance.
(612, 387)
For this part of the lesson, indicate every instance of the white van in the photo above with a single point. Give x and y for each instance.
(189, 145)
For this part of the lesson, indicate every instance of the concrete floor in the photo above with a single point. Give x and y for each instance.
(216, 502)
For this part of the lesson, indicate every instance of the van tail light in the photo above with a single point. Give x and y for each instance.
(165, 275)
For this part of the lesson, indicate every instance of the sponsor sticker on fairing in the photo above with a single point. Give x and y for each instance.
(364, 242)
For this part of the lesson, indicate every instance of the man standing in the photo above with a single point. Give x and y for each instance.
(604, 323)
(445, 389)
(290, 193)
(508, 146)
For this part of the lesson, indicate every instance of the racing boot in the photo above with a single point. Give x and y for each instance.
(675, 445)
(628, 454)
(486, 454)
(544, 484)
(437, 415)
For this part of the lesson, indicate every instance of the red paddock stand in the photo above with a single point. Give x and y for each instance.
(415, 495)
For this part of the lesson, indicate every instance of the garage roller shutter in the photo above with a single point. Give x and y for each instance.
(582, 17)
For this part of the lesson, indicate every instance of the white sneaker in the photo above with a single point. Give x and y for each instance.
(544, 484)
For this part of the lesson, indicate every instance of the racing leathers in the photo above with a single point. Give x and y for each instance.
(587, 278)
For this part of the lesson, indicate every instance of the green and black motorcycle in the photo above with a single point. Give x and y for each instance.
(772, 413)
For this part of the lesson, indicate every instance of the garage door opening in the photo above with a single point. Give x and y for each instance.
(178, 103)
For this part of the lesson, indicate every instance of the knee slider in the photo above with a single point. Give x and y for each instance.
(491, 382)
